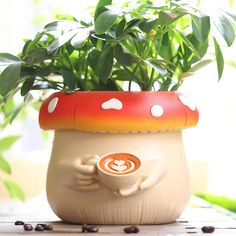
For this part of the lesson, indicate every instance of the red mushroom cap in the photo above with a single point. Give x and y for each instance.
(110, 111)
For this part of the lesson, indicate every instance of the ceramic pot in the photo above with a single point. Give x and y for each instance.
(118, 157)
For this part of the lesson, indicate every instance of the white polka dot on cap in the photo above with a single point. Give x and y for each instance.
(112, 103)
(157, 110)
(52, 104)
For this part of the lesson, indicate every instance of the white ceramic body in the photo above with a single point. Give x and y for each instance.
(161, 203)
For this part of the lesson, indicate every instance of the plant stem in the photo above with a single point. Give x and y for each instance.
(50, 81)
(159, 44)
(132, 75)
(69, 61)
(72, 68)
(135, 68)
(130, 82)
(152, 74)
(151, 79)
(153, 41)
(86, 71)
(134, 71)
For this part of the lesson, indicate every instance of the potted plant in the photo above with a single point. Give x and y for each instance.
(117, 155)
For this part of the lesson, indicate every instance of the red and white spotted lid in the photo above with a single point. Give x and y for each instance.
(110, 111)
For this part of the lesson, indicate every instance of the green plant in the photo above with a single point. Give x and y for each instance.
(147, 44)
(223, 201)
(9, 110)
(12, 187)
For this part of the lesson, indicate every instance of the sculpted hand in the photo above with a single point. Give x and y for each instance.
(158, 170)
(153, 178)
(130, 191)
(84, 174)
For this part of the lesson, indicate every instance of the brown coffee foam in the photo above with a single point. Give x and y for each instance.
(119, 157)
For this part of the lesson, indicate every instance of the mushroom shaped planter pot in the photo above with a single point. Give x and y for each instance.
(118, 157)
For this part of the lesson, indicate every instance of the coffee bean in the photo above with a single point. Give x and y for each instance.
(48, 227)
(92, 229)
(208, 229)
(39, 227)
(19, 222)
(28, 227)
(190, 227)
(45, 226)
(182, 221)
(84, 228)
(132, 229)
(136, 229)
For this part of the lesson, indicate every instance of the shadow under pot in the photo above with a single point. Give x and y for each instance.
(118, 157)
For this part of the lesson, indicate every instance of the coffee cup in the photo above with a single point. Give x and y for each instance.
(119, 170)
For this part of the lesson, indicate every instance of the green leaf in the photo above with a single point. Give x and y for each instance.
(100, 8)
(27, 86)
(7, 107)
(181, 38)
(109, 86)
(7, 142)
(26, 45)
(148, 25)
(93, 58)
(233, 16)
(67, 36)
(37, 55)
(200, 65)
(231, 62)
(169, 46)
(61, 25)
(219, 59)
(7, 59)
(106, 63)
(200, 47)
(8, 78)
(175, 87)
(14, 190)
(186, 55)
(223, 201)
(32, 44)
(66, 17)
(225, 28)
(121, 75)
(45, 71)
(123, 58)
(4, 165)
(201, 27)
(16, 112)
(168, 17)
(27, 71)
(105, 20)
(131, 24)
(161, 70)
(69, 79)
(120, 27)
(80, 37)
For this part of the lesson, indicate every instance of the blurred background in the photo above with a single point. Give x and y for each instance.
(210, 147)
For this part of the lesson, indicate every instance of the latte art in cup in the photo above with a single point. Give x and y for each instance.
(119, 163)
